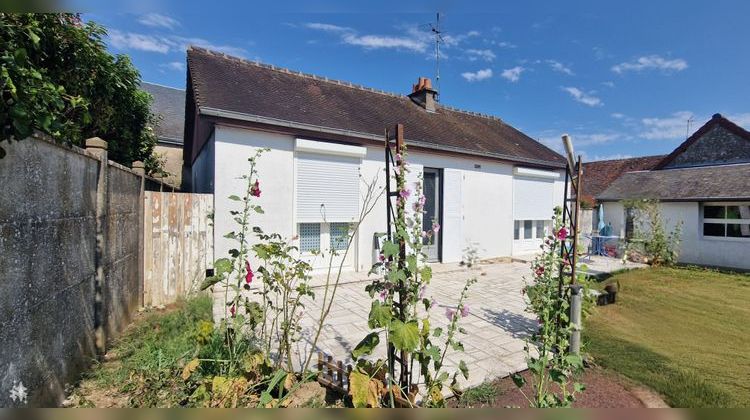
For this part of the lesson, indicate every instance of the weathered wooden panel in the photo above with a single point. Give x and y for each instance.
(178, 245)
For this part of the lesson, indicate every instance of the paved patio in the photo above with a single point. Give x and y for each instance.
(496, 327)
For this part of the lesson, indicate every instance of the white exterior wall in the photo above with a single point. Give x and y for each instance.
(694, 247)
(485, 200)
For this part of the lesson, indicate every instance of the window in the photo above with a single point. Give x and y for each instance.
(339, 236)
(530, 229)
(540, 229)
(309, 237)
(730, 220)
(528, 225)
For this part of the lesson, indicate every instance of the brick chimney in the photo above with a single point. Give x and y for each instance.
(423, 95)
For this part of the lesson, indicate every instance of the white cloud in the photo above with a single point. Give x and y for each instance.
(609, 84)
(583, 97)
(667, 128)
(174, 65)
(327, 27)
(156, 20)
(165, 44)
(651, 62)
(617, 115)
(594, 138)
(140, 42)
(379, 41)
(616, 156)
(560, 67)
(476, 54)
(477, 76)
(513, 74)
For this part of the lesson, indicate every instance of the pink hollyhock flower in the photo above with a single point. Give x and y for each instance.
(249, 275)
(450, 314)
(381, 257)
(422, 200)
(405, 193)
(232, 310)
(562, 234)
(398, 157)
(539, 271)
(435, 227)
(255, 189)
(383, 295)
(465, 311)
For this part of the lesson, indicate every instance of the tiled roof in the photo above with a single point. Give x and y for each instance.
(599, 175)
(169, 103)
(725, 182)
(221, 82)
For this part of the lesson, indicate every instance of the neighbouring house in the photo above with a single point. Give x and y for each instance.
(705, 184)
(169, 105)
(488, 184)
(598, 175)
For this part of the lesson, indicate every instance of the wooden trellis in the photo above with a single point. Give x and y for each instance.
(396, 146)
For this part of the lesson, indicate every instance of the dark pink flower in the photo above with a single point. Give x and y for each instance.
(562, 234)
(249, 275)
(232, 310)
(381, 257)
(255, 189)
(383, 295)
(539, 271)
(405, 193)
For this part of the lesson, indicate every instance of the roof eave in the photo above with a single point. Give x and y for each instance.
(215, 112)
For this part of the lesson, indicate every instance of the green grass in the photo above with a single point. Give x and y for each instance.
(683, 332)
(147, 356)
(482, 394)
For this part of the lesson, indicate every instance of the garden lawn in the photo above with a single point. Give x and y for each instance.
(683, 332)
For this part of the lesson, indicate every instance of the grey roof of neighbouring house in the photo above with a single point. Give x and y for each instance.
(725, 182)
(169, 103)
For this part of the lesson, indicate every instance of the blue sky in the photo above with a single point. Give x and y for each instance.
(622, 79)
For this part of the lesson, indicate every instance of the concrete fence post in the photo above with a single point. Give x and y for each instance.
(575, 318)
(98, 148)
(140, 169)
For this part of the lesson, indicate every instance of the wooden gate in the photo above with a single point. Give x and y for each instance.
(177, 245)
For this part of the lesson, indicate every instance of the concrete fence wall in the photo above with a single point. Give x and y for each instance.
(71, 226)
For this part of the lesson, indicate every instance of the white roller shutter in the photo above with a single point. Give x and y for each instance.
(532, 198)
(327, 188)
(453, 223)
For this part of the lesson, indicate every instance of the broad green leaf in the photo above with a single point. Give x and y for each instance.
(380, 315)
(404, 335)
(433, 352)
(210, 281)
(426, 274)
(234, 198)
(437, 332)
(464, 369)
(366, 346)
(222, 266)
(390, 249)
(519, 380)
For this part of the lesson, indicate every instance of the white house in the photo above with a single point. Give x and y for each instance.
(705, 184)
(486, 183)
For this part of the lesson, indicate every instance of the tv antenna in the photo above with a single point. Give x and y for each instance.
(435, 29)
(689, 122)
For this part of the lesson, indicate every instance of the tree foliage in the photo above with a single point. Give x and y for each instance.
(58, 78)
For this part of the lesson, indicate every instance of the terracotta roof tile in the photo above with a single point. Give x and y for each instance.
(599, 175)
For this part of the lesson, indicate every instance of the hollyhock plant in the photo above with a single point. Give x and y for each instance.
(255, 189)
(249, 275)
(450, 314)
(405, 193)
(562, 234)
